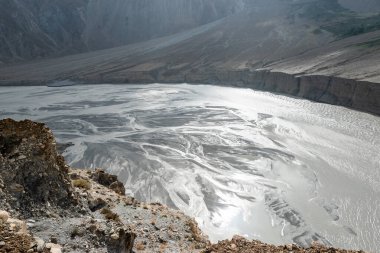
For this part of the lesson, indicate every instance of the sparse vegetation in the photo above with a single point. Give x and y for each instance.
(109, 215)
(82, 183)
(76, 231)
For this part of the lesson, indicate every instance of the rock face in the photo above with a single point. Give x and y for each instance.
(108, 180)
(31, 173)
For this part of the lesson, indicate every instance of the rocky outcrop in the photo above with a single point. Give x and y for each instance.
(16, 237)
(31, 173)
(242, 245)
(109, 181)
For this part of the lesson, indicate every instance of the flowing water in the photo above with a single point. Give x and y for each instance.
(244, 162)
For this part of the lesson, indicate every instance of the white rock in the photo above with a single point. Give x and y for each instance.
(4, 216)
(56, 250)
(115, 236)
(17, 225)
(40, 244)
(51, 245)
(30, 225)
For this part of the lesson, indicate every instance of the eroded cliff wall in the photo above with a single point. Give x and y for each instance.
(359, 95)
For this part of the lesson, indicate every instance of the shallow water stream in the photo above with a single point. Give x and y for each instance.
(244, 162)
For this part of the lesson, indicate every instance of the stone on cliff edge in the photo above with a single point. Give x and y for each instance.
(108, 180)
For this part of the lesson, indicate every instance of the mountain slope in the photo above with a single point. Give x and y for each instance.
(361, 6)
(273, 35)
(32, 29)
(41, 28)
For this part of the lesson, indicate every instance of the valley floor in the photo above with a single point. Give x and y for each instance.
(89, 212)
